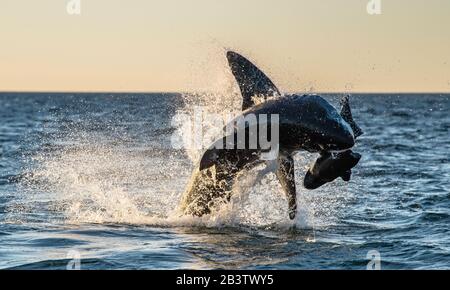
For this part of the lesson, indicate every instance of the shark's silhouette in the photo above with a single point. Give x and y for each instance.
(306, 122)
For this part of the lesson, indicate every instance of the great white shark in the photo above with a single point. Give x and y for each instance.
(305, 122)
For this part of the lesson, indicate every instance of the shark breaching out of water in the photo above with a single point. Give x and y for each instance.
(305, 122)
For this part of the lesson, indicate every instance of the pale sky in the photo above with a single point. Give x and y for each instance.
(178, 45)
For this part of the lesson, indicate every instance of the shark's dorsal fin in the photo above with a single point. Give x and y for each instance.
(252, 82)
(286, 175)
(346, 114)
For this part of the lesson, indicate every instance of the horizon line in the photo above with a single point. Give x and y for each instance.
(209, 92)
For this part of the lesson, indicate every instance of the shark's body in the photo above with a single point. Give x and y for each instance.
(305, 122)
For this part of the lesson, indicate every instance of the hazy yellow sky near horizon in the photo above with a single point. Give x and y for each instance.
(178, 45)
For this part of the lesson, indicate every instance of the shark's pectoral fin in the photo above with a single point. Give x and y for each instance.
(286, 174)
(346, 114)
(252, 82)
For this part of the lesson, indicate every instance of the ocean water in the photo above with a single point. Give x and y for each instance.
(94, 176)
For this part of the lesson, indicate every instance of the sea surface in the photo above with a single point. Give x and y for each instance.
(93, 181)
